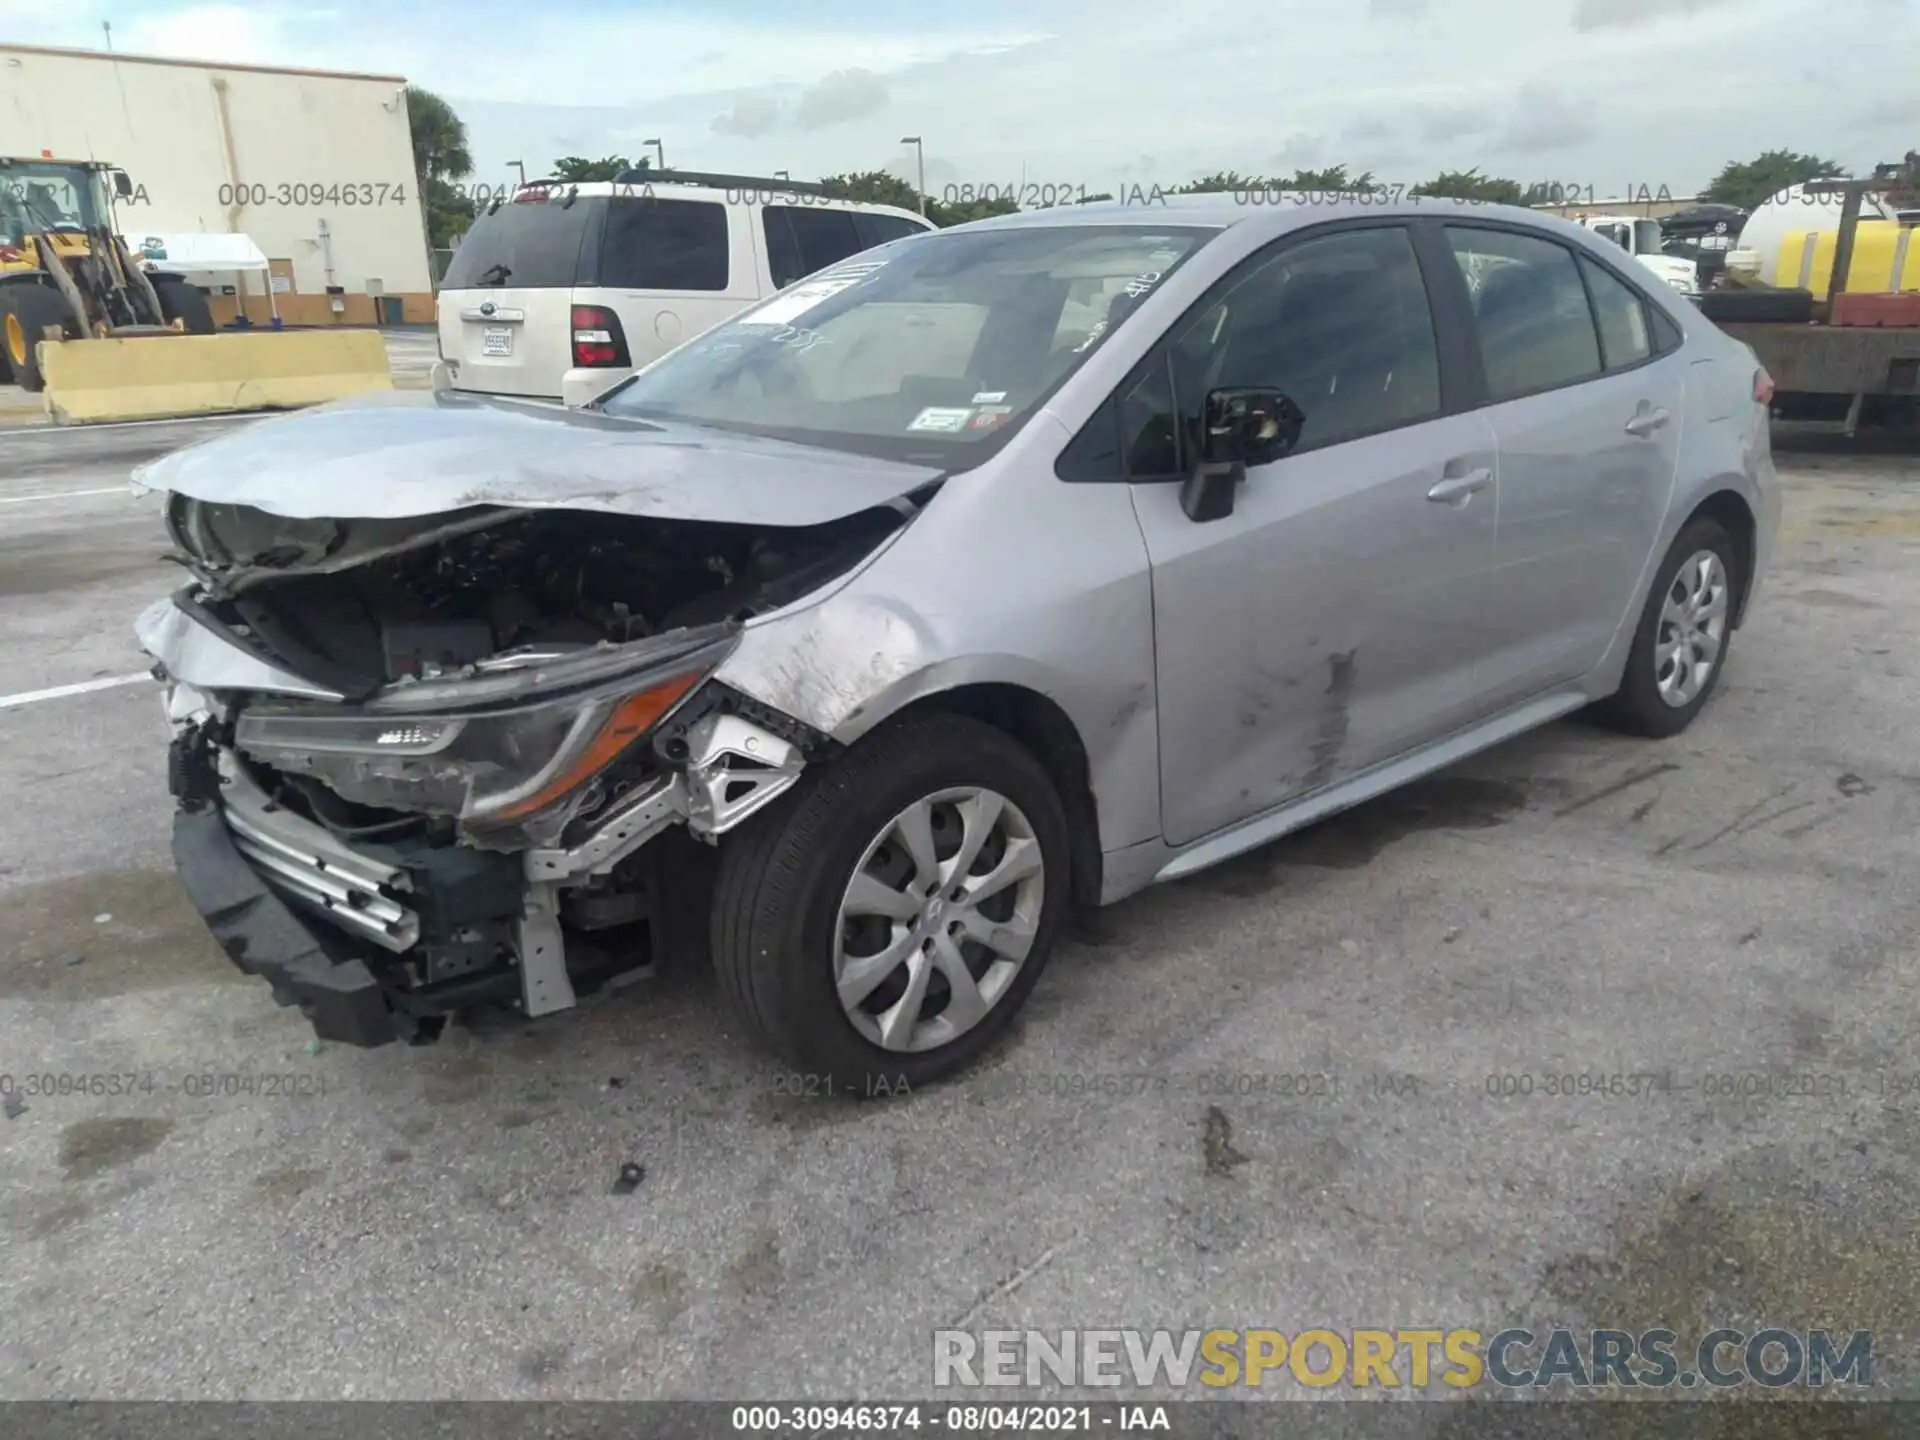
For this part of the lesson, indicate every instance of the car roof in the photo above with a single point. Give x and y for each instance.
(1271, 212)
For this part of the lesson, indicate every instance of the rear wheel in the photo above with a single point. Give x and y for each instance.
(25, 313)
(186, 303)
(1681, 644)
(884, 923)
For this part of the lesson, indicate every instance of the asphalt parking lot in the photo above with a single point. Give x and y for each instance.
(1738, 902)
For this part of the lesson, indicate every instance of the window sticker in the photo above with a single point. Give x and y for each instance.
(790, 305)
(989, 417)
(939, 418)
(989, 397)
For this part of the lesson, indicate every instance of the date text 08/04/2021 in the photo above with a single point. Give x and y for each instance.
(196, 1084)
(858, 1418)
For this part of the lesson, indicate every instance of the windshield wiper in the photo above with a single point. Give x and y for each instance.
(488, 277)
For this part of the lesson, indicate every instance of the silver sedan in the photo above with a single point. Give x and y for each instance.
(990, 573)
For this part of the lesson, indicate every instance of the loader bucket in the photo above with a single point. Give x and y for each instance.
(154, 377)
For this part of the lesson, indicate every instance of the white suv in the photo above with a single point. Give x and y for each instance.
(567, 289)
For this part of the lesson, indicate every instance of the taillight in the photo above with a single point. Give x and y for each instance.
(598, 340)
(1762, 387)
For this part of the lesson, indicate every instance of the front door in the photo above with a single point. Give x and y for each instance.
(1332, 620)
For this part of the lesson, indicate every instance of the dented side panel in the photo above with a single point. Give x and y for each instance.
(1331, 622)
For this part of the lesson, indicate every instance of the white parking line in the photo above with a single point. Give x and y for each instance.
(62, 495)
(60, 692)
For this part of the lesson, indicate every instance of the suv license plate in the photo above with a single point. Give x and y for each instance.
(497, 341)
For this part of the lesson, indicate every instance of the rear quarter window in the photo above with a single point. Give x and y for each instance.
(532, 246)
(656, 244)
(884, 229)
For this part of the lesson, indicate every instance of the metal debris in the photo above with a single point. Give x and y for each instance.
(630, 1177)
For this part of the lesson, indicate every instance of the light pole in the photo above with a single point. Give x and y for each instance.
(521, 166)
(659, 154)
(920, 152)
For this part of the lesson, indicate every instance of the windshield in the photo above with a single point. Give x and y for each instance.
(45, 197)
(1647, 237)
(935, 348)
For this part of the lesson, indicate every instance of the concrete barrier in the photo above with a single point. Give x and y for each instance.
(152, 377)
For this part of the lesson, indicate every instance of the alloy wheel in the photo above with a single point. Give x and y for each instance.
(1693, 629)
(938, 919)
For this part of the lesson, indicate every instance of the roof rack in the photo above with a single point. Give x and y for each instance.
(713, 181)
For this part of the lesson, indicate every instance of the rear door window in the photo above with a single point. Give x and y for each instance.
(804, 238)
(1530, 311)
(527, 245)
(656, 244)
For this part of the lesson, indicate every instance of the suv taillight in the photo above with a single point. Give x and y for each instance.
(1762, 387)
(598, 340)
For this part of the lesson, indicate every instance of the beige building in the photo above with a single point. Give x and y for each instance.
(315, 166)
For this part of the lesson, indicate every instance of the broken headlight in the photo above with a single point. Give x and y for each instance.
(492, 761)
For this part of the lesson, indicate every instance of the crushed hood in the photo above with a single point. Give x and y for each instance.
(415, 453)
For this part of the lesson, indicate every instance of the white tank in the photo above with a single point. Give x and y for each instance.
(1793, 213)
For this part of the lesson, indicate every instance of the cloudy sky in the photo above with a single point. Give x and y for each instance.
(1612, 94)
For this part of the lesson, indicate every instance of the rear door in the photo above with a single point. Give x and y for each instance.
(670, 267)
(1586, 393)
(504, 308)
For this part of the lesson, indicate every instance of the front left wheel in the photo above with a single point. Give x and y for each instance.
(882, 925)
(26, 313)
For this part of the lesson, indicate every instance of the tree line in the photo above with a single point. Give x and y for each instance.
(442, 157)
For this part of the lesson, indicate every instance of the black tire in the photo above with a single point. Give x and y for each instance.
(1758, 307)
(1637, 708)
(33, 307)
(782, 875)
(181, 301)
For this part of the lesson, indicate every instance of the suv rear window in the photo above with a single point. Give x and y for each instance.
(533, 245)
(655, 244)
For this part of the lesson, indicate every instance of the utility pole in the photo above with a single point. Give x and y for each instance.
(659, 154)
(920, 151)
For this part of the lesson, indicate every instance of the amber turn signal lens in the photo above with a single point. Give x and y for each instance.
(631, 718)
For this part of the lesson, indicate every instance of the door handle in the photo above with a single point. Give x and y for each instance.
(1461, 488)
(1646, 422)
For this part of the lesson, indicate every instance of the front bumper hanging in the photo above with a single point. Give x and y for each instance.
(374, 945)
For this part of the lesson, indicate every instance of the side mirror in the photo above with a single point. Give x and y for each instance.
(1239, 427)
(1250, 425)
(122, 186)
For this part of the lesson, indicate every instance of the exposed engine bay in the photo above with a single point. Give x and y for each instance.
(508, 750)
(361, 604)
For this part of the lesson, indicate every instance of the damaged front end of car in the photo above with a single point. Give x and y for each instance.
(464, 764)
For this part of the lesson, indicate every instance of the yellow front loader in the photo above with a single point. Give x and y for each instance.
(102, 335)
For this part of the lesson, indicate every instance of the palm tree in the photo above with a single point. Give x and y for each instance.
(440, 156)
(439, 137)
